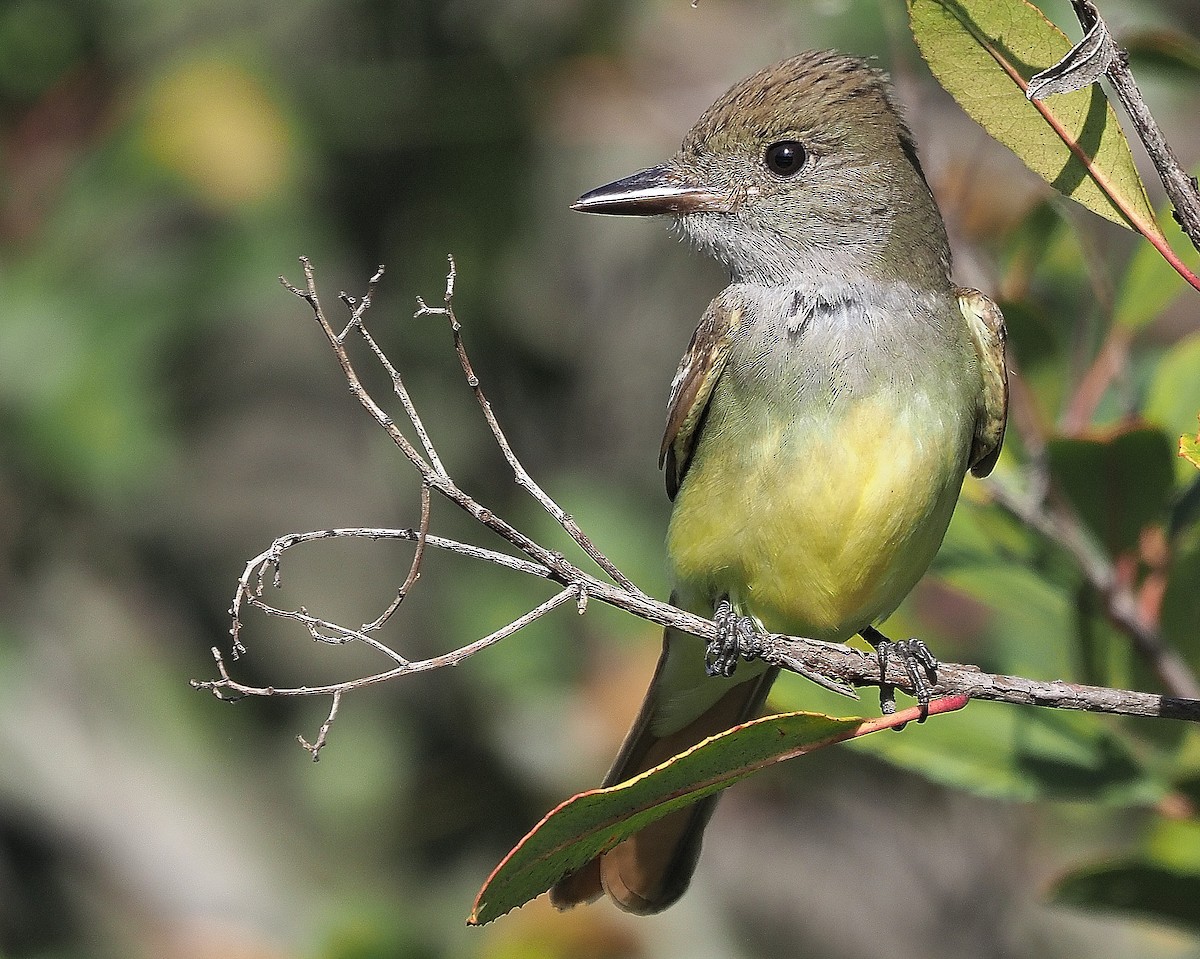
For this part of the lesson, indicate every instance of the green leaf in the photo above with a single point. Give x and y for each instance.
(1150, 283)
(1136, 887)
(1119, 484)
(984, 53)
(592, 822)
(1189, 448)
(1023, 755)
(1174, 396)
(1171, 51)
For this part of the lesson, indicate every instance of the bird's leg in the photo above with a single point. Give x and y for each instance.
(737, 635)
(919, 663)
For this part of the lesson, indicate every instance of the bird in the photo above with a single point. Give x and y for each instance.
(821, 423)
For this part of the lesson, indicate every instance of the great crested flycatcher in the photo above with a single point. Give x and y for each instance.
(821, 423)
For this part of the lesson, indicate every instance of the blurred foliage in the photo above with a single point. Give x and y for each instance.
(166, 410)
(1189, 448)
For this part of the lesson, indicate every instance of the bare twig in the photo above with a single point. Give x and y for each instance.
(229, 689)
(356, 323)
(835, 660)
(540, 560)
(524, 480)
(414, 569)
(314, 748)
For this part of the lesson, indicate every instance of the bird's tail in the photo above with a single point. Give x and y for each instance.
(651, 869)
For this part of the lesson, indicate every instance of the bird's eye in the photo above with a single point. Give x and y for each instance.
(785, 158)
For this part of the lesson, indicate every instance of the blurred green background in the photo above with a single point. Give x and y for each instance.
(167, 409)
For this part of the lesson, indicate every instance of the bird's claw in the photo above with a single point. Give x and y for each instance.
(920, 664)
(737, 636)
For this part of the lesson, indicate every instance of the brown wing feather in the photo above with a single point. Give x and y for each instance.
(692, 388)
(988, 333)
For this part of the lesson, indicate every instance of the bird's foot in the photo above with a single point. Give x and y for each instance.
(737, 636)
(920, 664)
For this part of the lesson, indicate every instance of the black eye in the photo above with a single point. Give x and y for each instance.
(785, 158)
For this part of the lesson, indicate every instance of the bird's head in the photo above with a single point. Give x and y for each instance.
(804, 168)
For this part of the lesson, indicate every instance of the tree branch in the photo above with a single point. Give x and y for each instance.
(835, 660)
(840, 664)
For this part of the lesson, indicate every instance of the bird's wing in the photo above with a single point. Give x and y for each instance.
(692, 388)
(986, 324)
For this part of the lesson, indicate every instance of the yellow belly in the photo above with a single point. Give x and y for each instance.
(817, 525)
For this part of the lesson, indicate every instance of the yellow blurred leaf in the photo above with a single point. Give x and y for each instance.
(213, 124)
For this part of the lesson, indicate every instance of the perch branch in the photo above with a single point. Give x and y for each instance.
(840, 664)
(835, 660)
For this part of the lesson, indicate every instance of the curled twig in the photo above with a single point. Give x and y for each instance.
(314, 748)
(414, 569)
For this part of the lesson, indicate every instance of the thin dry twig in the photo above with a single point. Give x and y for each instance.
(524, 480)
(542, 561)
(230, 689)
(314, 748)
(356, 323)
(414, 569)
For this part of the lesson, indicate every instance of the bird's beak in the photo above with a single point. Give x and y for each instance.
(661, 189)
